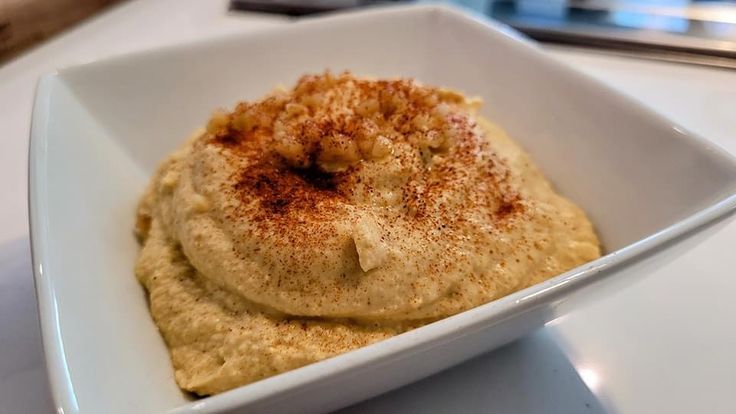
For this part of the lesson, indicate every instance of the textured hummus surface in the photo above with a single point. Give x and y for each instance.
(336, 214)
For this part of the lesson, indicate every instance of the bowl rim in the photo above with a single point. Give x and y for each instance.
(468, 321)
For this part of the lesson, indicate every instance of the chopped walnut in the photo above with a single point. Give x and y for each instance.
(334, 122)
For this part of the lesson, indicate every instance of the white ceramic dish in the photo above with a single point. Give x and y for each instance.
(99, 130)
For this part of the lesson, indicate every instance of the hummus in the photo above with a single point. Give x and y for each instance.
(337, 214)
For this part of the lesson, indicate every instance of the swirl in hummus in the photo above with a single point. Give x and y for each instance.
(337, 214)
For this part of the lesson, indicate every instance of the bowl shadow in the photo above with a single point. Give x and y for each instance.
(23, 382)
(530, 375)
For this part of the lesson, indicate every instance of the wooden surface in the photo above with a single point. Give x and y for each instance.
(24, 23)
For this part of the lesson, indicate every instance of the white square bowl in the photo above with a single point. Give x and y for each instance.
(99, 130)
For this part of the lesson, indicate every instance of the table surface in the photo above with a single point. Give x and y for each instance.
(665, 343)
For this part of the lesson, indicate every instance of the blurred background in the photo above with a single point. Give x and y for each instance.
(689, 31)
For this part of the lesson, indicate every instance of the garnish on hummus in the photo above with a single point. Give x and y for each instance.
(336, 214)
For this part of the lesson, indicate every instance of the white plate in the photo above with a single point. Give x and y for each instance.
(99, 130)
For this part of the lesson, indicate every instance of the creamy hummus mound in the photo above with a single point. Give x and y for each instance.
(337, 214)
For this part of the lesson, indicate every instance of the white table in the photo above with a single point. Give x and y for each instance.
(665, 344)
